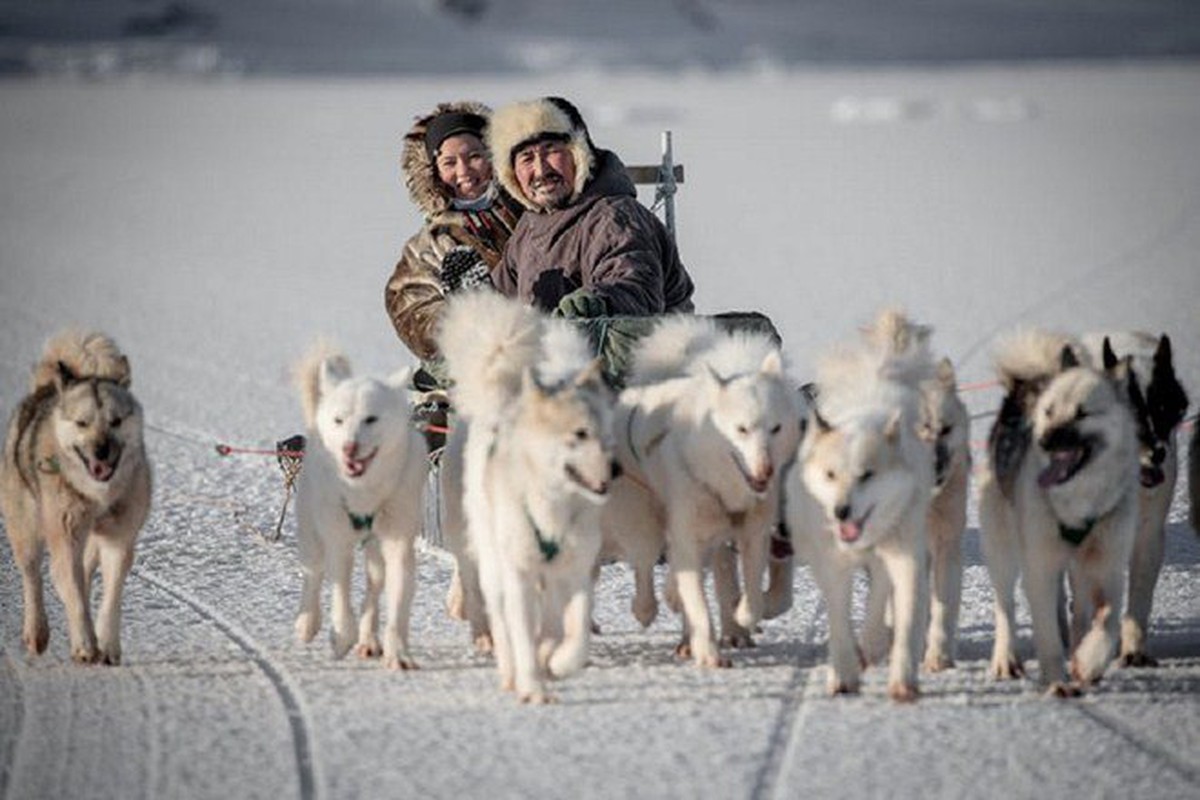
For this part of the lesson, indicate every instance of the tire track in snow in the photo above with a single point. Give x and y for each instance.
(307, 770)
(1141, 743)
(17, 700)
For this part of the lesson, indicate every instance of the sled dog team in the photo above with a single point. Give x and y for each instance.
(708, 459)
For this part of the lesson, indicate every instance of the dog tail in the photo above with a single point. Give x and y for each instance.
(488, 341)
(671, 349)
(84, 354)
(1031, 355)
(307, 375)
(902, 346)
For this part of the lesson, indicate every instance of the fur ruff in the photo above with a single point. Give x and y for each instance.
(517, 123)
(420, 173)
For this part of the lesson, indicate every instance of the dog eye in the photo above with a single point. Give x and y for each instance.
(1080, 413)
(778, 427)
(830, 475)
(945, 431)
(338, 420)
(581, 434)
(866, 476)
(81, 423)
(743, 430)
(371, 420)
(116, 422)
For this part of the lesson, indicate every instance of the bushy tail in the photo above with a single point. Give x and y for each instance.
(488, 340)
(669, 350)
(84, 355)
(902, 346)
(1031, 355)
(307, 376)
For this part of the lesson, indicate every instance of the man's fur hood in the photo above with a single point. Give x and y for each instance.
(516, 124)
(420, 172)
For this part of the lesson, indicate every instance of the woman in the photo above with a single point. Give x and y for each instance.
(448, 172)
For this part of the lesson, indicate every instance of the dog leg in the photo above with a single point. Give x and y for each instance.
(571, 655)
(945, 599)
(910, 584)
(645, 604)
(312, 570)
(844, 667)
(368, 645)
(1002, 554)
(66, 573)
(520, 618)
(753, 551)
(1042, 583)
(115, 557)
(688, 570)
(400, 580)
(481, 634)
(339, 559)
(1145, 564)
(781, 574)
(27, 552)
(725, 584)
(875, 640)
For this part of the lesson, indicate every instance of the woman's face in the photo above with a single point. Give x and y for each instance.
(464, 166)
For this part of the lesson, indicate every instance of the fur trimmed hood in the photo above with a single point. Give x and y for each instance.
(516, 124)
(420, 172)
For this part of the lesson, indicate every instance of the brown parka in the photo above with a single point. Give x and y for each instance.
(414, 296)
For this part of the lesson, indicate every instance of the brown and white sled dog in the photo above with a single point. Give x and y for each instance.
(1060, 498)
(859, 494)
(364, 471)
(703, 434)
(537, 469)
(1159, 403)
(75, 480)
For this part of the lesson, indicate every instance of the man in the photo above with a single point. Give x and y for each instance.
(589, 249)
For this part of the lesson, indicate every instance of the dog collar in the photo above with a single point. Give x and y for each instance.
(1075, 536)
(547, 547)
(359, 522)
(49, 465)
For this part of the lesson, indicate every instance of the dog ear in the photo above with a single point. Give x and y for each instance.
(1109, 356)
(891, 428)
(945, 373)
(1162, 355)
(64, 377)
(593, 373)
(1120, 374)
(1067, 358)
(126, 374)
(716, 376)
(772, 364)
(530, 387)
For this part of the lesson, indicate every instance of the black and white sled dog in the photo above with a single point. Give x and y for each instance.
(536, 471)
(1159, 404)
(1060, 497)
(703, 431)
(361, 484)
(860, 492)
(75, 480)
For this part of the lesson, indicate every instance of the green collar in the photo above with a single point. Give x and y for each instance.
(1075, 536)
(49, 465)
(361, 523)
(548, 547)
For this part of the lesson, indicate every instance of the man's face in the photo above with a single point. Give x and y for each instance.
(546, 173)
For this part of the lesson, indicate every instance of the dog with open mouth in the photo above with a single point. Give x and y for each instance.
(533, 445)
(75, 480)
(360, 488)
(704, 430)
(1159, 404)
(1059, 500)
(859, 495)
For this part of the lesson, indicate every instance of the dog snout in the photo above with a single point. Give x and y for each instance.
(1060, 438)
(350, 449)
(842, 512)
(1159, 455)
(616, 470)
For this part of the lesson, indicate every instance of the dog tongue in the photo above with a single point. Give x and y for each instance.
(1061, 467)
(849, 531)
(100, 470)
(355, 468)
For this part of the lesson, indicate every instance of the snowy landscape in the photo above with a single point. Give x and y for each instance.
(216, 185)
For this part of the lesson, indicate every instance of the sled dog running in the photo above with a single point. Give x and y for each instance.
(703, 431)
(536, 472)
(1159, 404)
(859, 494)
(75, 480)
(361, 484)
(1059, 498)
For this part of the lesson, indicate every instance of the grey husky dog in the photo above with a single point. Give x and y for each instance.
(1060, 499)
(75, 480)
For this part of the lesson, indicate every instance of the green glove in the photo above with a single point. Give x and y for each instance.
(581, 303)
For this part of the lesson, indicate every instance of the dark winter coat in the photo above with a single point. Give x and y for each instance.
(414, 296)
(604, 241)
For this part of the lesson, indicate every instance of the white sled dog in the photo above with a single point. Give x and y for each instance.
(537, 469)
(859, 494)
(364, 471)
(1159, 403)
(703, 434)
(75, 480)
(1060, 496)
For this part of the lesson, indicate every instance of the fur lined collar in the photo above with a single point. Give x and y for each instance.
(419, 171)
(518, 123)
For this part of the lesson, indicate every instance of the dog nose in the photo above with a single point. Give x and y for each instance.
(617, 469)
(1159, 455)
(350, 449)
(842, 512)
(103, 450)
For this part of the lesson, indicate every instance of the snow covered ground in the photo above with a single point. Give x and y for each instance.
(215, 227)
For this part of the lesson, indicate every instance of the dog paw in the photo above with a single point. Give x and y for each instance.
(645, 613)
(538, 697)
(1138, 659)
(842, 687)
(368, 649)
(484, 644)
(508, 684)
(1006, 669)
(1063, 691)
(307, 626)
(37, 640)
(683, 650)
(713, 661)
(938, 662)
(400, 663)
(738, 640)
(85, 654)
(341, 644)
(903, 692)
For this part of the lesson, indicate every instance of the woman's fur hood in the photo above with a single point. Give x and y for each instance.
(420, 173)
(516, 124)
